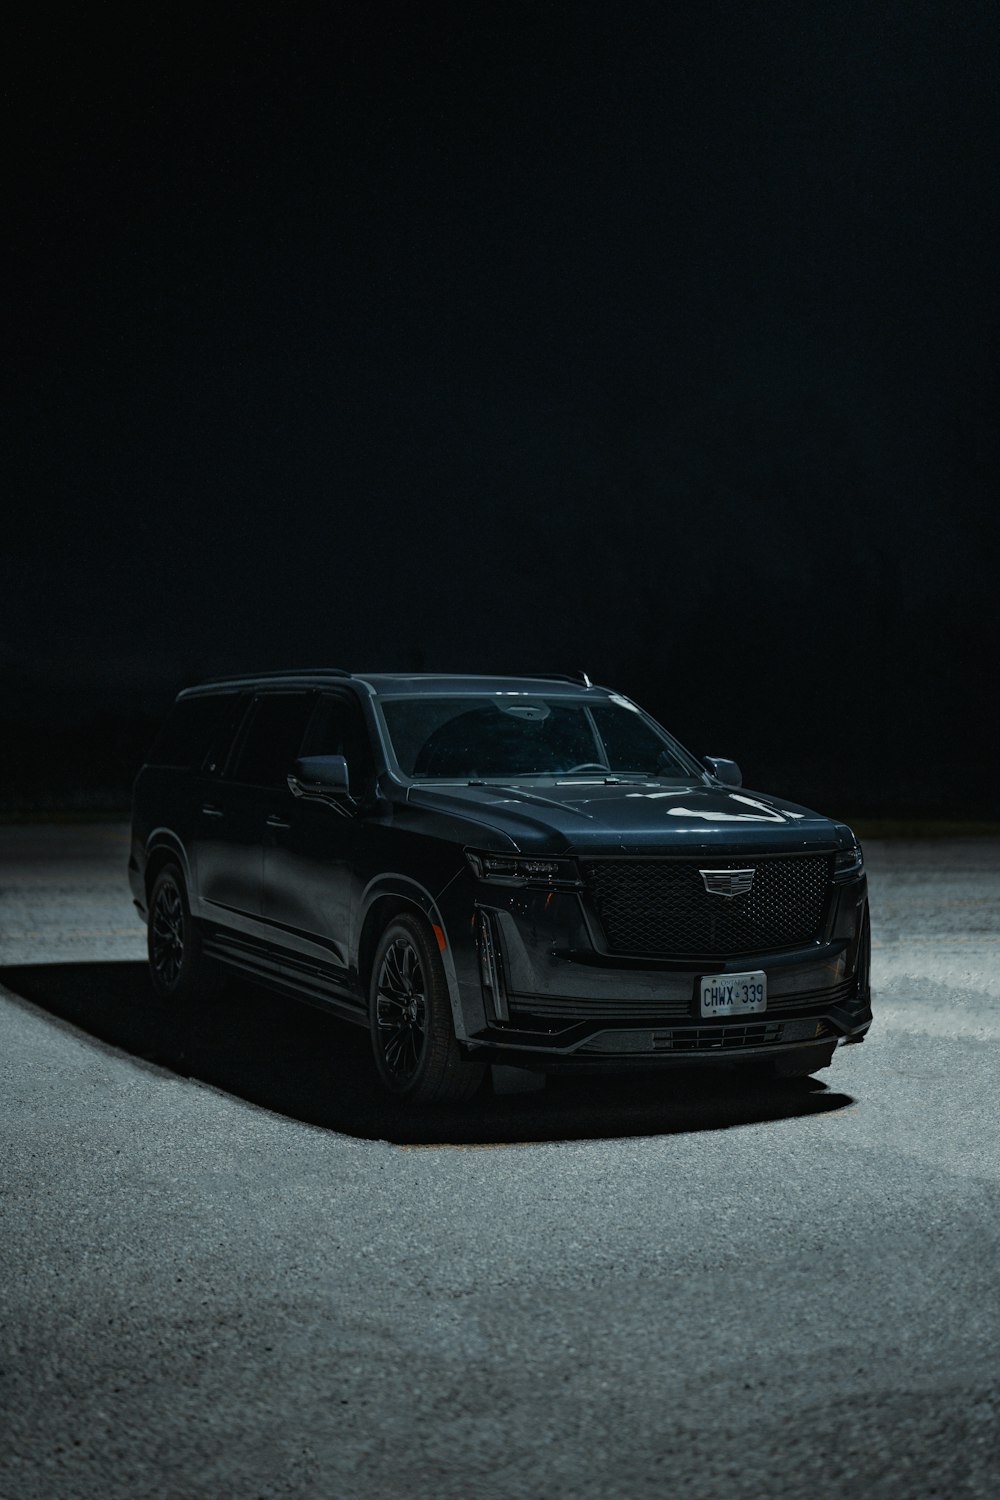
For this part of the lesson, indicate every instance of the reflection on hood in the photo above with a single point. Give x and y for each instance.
(764, 814)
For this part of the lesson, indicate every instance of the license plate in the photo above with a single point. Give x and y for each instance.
(733, 994)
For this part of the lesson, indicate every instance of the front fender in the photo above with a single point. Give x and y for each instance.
(405, 888)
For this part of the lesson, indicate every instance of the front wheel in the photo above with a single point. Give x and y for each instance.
(416, 1053)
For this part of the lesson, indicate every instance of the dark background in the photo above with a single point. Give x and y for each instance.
(659, 341)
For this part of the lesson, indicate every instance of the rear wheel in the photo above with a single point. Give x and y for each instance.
(416, 1053)
(177, 965)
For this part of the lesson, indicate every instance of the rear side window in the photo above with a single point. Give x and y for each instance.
(192, 730)
(273, 738)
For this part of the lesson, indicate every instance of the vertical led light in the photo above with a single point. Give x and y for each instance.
(491, 968)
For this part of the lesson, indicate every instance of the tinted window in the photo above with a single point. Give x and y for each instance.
(634, 745)
(228, 729)
(521, 735)
(273, 738)
(470, 738)
(338, 728)
(192, 730)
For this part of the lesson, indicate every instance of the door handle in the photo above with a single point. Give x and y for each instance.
(213, 812)
(274, 822)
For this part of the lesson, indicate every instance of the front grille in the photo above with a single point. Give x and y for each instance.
(570, 1009)
(812, 1000)
(707, 1038)
(689, 1039)
(718, 1038)
(660, 907)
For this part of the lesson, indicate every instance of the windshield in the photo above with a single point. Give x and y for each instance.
(472, 738)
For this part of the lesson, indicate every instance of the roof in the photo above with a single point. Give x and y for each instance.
(405, 684)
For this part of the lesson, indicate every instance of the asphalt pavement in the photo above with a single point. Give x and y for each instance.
(229, 1269)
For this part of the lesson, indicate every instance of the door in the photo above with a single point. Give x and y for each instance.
(313, 850)
(236, 806)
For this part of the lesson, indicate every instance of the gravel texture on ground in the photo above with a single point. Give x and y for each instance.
(228, 1269)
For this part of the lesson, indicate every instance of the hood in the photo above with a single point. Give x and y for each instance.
(589, 817)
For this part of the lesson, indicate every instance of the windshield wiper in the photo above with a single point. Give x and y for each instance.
(608, 778)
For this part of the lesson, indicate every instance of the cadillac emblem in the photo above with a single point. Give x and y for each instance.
(727, 883)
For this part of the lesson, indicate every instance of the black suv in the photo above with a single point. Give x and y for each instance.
(525, 871)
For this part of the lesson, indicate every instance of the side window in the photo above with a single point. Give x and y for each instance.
(194, 728)
(226, 732)
(273, 738)
(338, 728)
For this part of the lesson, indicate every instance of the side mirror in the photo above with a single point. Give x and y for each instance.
(320, 775)
(726, 771)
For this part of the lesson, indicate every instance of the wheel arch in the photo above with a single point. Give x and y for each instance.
(389, 898)
(165, 848)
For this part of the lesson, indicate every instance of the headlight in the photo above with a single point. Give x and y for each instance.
(518, 869)
(848, 863)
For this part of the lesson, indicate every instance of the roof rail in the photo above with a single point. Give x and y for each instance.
(580, 678)
(265, 676)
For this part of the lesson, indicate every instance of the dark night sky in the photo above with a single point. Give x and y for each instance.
(657, 340)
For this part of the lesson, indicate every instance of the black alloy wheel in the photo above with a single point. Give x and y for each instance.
(177, 967)
(401, 1009)
(166, 935)
(413, 1038)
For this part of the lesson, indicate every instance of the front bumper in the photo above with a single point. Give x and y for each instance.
(602, 1045)
(558, 1003)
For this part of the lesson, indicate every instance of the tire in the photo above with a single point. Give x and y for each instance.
(178, 969)
(417, 1056)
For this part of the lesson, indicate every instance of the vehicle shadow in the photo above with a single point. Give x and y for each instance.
(290, 1058)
